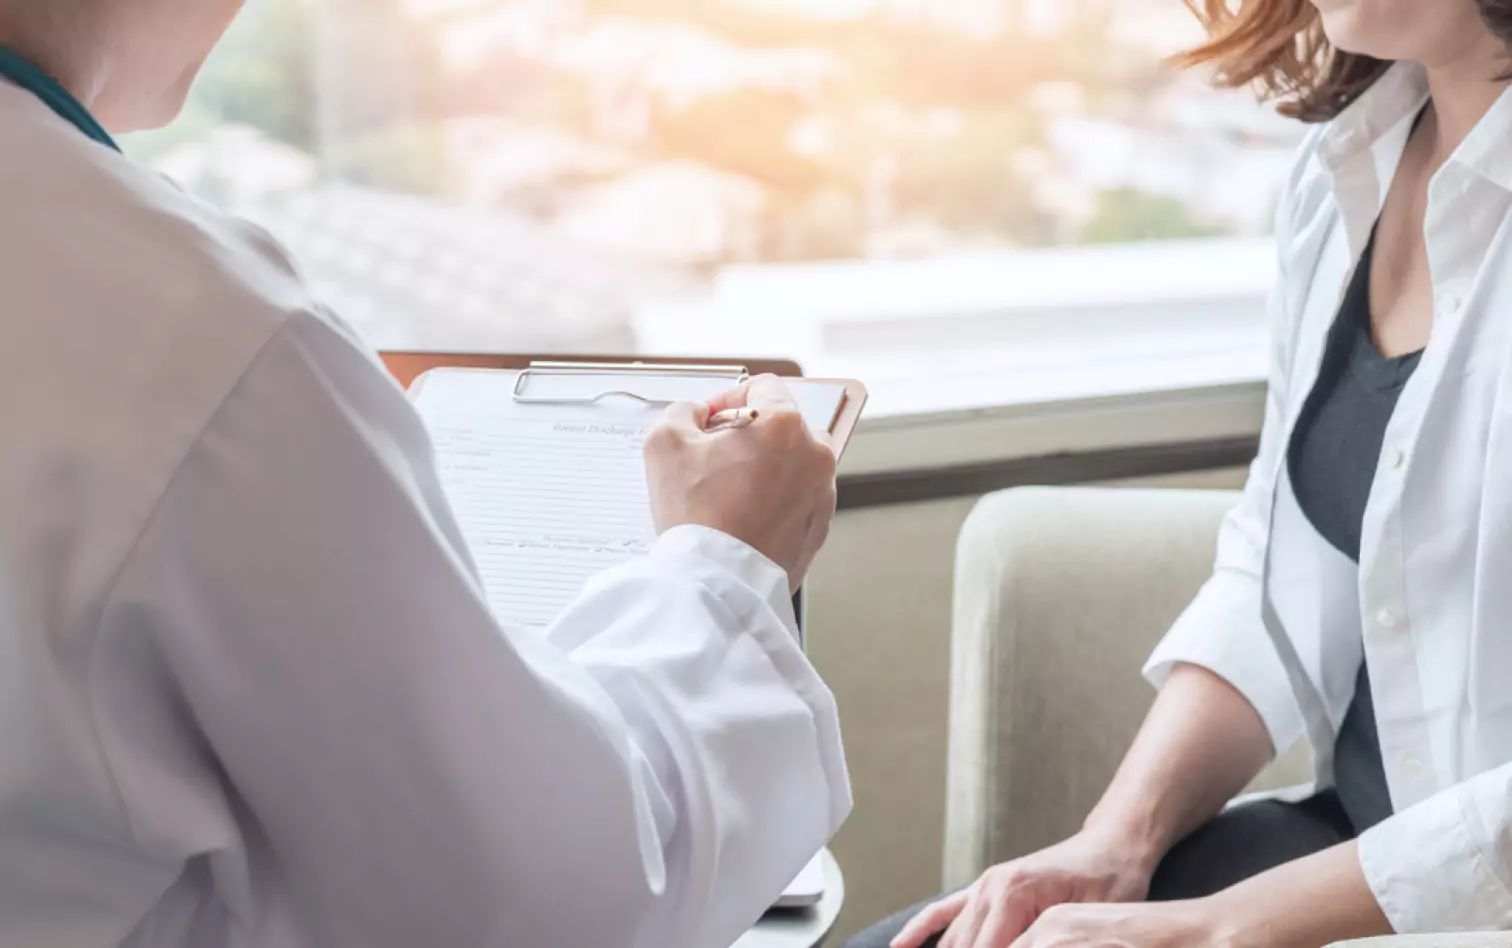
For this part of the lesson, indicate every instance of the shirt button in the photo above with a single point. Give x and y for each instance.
(1449, 303)
(1411, 765)
(1395, 458)
(1389, 619)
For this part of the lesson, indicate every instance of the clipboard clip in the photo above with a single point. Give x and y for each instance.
(735, 374)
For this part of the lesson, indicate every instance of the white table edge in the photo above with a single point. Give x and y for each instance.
(802, 929)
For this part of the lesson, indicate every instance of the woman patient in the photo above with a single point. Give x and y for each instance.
(1363, 592)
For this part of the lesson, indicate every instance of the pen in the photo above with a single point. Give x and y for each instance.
(732, 418)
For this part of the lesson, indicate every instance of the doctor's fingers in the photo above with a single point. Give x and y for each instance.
(816, 533)
(736, 397)
(766, 392)
(769, 393)
(822, 517)
(686, 419)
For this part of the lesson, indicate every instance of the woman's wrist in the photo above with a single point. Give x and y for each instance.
(1227, 922)
(1317, 900)
(1133, 839)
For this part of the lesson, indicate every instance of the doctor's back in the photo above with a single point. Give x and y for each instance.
(250, 693)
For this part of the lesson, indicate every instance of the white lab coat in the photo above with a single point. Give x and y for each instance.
(250, 692)
(1286, 618)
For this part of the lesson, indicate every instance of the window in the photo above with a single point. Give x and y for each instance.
(919, 191)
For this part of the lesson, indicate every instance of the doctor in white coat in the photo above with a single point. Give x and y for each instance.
(250, 692)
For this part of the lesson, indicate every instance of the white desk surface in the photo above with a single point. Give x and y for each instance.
(803, 928)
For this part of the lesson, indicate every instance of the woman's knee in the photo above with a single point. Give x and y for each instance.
(1245, 841)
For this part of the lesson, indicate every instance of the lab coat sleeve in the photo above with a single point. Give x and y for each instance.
(1222, 629)
(1445, 864)
(651, 772)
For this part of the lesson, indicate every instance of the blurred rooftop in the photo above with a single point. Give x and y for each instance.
(411, 272)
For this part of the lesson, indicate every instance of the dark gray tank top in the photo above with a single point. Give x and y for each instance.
(1332, 460)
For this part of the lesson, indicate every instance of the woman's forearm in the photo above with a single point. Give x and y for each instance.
(1201, 743)
(1304, 904)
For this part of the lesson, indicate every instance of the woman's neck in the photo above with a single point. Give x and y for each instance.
(1462, 91)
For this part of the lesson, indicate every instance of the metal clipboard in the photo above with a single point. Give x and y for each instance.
(408, 365)
(621, 373)
(409, 369)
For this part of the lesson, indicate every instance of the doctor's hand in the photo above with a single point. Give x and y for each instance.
(1008, 899)
(770, 485)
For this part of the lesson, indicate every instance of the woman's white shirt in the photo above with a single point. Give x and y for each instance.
(1286, 619)
(250, 691)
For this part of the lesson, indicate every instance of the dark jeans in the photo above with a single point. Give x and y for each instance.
(1239, 843)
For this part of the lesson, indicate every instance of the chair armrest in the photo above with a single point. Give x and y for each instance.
(1061, 594)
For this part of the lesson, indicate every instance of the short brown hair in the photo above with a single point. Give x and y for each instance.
(1279, 47)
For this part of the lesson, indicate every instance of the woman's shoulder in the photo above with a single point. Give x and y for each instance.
(1307, 190)
(1306, 214)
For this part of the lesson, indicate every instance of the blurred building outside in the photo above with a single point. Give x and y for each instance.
(623, 174)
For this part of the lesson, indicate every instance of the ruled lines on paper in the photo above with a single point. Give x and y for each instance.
(550, 495)
(545, 505)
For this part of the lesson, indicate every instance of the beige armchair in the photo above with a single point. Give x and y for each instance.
(1061, 594)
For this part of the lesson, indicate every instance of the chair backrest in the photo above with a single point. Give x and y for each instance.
(1061, 595)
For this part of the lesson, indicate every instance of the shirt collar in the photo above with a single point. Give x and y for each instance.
(1367, 125)
(1396, 97)
(1487, 150)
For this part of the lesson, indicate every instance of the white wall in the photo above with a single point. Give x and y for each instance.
(880, 634)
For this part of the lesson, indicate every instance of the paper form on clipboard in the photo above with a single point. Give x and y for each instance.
(549, 495)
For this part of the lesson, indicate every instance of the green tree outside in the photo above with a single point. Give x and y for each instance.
(1124, 216)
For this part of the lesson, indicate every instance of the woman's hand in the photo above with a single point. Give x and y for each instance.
(1008, 899)
(1201, 743)
(1146, 925)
